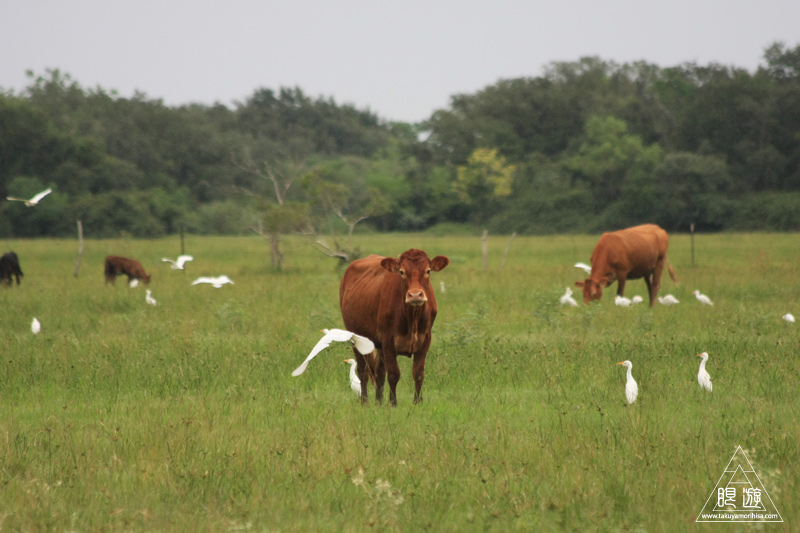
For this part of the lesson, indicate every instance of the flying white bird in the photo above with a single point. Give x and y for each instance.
(179, 264)
(149, 298)
(567, 299)
(134, 283)
(788, 317)
(355, 383)
(217, 282)
(584, 266)
(636, 300)
(631, 388)
(702, 376)
(33, 201)
(622, 301)
(362, 344)
(668, 300)
(702, 298)
(36, 326)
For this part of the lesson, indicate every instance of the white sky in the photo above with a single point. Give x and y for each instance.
(400, 59)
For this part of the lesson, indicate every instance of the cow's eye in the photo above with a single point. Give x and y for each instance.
(402, 272)
(428, 272)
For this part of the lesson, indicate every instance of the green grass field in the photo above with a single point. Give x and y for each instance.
(184, 416)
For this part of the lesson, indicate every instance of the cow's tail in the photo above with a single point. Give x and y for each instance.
(671, 272)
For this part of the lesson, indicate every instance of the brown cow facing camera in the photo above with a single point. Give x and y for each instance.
(117, 266)
(631, 253)
(391, 302)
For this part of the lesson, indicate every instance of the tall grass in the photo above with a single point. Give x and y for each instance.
(184, 417)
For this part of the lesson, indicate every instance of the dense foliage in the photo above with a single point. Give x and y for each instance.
(588, 145)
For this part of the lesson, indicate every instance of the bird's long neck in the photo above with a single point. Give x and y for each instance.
(630, 374)
(353, 371)
(702, 365)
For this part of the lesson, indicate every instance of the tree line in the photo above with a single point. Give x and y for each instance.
(587, 146)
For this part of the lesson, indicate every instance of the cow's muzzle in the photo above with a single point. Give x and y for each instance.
(416, 297)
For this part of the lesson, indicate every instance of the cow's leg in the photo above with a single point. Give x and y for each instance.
(418, 370)
(655, 286)
(621, 285)
(363, 374)
(648, 280)
(393, 369)
(380, 376)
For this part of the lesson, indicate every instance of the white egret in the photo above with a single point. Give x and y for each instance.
(355, 383)
(217, 282)
(362, 344)
(179, 263)
(636, 300)
(702, 376)
(149, 298)
(36, 326)
(668, 300)
(584, 266)
(702, 298)
(134, 283)
(788, 317)
(631, 388)
(33, 201)
(567, 299)
(622, 301)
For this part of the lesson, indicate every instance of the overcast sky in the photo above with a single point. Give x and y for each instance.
(401, 60)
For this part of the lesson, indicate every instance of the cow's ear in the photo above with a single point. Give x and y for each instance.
(579, 283)
(391, 264)
(439, 262)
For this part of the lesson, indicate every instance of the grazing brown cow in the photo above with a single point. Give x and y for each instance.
(117, 266)
(631, 253)
(9, 266)
(391, 302)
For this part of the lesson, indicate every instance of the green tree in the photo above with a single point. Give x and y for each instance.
(486, 177)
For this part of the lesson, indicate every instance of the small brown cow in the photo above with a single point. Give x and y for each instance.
(631, 253)
(391, 302)
(117, 266)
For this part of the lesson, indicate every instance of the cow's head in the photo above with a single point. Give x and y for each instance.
(146, 279)
(592, 289)
(414, 268)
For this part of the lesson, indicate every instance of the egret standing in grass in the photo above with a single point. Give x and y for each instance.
(631, 388)
(668, 300)
(33, 201)
(567, 299)
(178, 264)
(636, 300)
(355, 383)
(702, 298)
(149, 298)
(362, 344)
(622, 301)
(36, 326)
(702, 376)
(788, 317)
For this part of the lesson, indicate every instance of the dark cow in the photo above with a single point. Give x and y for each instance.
(9, 266)
(117, 266)
(390, 301)
(632, 253)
